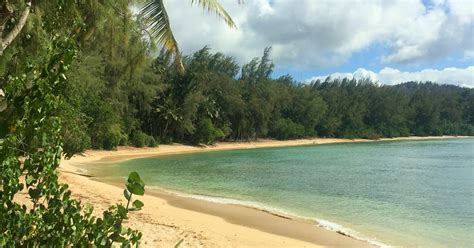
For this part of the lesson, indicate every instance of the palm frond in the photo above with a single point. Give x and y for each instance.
(216, 7)
(157, 23)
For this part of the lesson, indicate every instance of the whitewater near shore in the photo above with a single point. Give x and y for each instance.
(168, 218)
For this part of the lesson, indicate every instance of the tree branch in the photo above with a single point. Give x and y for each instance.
(6, 11)
(4, 43)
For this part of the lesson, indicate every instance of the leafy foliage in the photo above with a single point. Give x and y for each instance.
(206, 133)
(211, 101)
(81, 74)
(141, 139)
(287, 129)
(31, 153)
(40, 110)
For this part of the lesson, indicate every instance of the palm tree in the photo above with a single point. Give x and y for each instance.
(153, 14)
(157, 22)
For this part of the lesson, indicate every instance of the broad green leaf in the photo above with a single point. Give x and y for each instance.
(133, 177)
(135, 185)
(137, 204)
(121, 210)
(118, 238)
(34, 193)
(136, 188)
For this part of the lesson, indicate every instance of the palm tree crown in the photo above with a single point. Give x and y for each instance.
(155, 17)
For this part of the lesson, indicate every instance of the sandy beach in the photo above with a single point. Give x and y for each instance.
(168, 218)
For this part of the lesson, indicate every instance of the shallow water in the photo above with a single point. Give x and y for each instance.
(401, 193)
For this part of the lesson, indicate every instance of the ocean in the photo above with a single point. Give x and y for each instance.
(391, 193)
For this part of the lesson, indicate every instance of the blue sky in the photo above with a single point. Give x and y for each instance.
(368, 58)
(390, 41)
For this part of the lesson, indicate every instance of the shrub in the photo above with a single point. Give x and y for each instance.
(167, 140)
(370, 134)
(287, 129)
(74, 131)
(76, 143)
(123, 140)
(112, 137)
(139, 138)
(373, 137)
(206, 133)
(106, 130)
(51, 218)
(75, 140)
(151, 142)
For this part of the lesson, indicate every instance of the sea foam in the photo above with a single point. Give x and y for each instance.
(328, 225)
(331, 226)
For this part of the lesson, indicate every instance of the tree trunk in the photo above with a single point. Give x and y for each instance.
(165, 131)
(4, 43)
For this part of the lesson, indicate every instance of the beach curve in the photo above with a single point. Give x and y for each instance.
(168, 218)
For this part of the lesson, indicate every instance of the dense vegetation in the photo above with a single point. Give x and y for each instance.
(44, 49)
(121, 91)
(116, 100)
(85, 74)
(38, 43)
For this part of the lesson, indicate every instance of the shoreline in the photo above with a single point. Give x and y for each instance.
(125, 153)
(293, 221)
(262, 227)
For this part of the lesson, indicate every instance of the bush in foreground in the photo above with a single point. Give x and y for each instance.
(30, 153)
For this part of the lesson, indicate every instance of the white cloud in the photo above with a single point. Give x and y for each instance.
(462, 10)
(309, 33)
(457, 76)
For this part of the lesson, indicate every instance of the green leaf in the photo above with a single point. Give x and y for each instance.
(137, 204)
(121, 210)
(127, 194)
(34, 193)
(136, 188)
(134, 177)
(135, 185)
(103, 241)
(29, 179)
(118, 238)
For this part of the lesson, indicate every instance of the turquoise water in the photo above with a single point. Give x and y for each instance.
(401, 193)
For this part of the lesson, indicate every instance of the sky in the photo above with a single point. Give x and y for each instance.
(390, 41)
